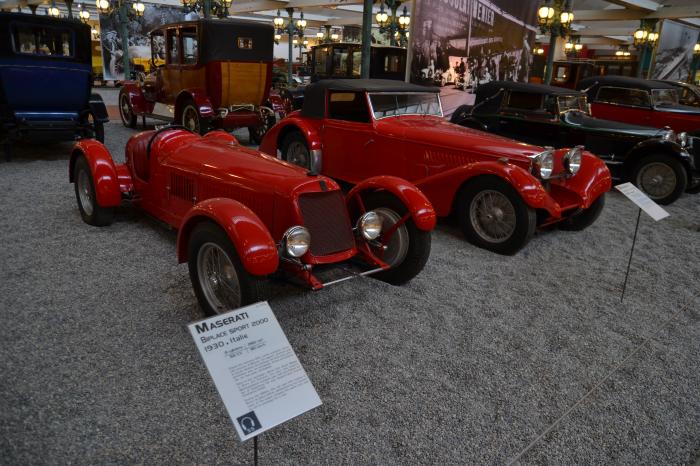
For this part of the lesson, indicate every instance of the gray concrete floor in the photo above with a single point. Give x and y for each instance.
(482, 359)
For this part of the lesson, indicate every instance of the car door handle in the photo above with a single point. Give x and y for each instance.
(370, 141)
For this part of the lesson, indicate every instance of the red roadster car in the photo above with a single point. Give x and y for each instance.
(500, 189)
(242, 215)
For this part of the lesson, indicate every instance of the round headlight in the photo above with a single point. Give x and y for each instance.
(668, 135)
(572, 160)
(370, 224)
(545, 164)
(683, 139)
(296, 241)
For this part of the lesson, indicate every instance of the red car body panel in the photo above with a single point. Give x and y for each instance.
(439, 157)
(656, 117)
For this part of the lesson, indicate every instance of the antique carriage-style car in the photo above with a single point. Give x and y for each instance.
(340, 60)
(656, 160)
(499, 189)
(242, 215)
(640, 102)
(45, 80)
(217, 74)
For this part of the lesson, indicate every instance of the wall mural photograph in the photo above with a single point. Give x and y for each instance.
(461, 45)
(673, 57)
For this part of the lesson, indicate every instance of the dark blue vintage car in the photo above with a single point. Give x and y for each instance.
(46, 81)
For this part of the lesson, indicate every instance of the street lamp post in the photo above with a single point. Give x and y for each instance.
(292, 27)
(554, 17)
(395, 25)
(644, 40)
(207, 7)
(696, 60)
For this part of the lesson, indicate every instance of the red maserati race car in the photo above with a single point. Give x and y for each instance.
(501, 190)
(242, 216)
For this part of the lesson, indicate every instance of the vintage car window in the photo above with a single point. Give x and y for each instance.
(356, 63)
(173, 47)
(348, 106)
(418, 103)
(623, 96)
(688, 97)
(158, 47)
(40, 40)
(321, 60)
(340, 61)
(190, 48)
(392, 63)
(663, 97)
(561, 73)
(524, 100)
(572, 102)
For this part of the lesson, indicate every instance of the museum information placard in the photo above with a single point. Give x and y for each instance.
(258, 375)
(651, 208)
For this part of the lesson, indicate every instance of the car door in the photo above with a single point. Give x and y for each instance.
(347, 135)
(622, 104)
(171, 70)
(153, 84)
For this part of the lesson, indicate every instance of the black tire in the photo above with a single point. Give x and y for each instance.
(461, 114)
(409, 262)
(192, 120)
(523, 219)
(295, 150)
(252, 288)
(585, 217)
(128, 117)
(90, 211)
(256, 133)
(98, 129)
(663, 163)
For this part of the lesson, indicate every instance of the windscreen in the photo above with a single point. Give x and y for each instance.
(394, 104)
(664, 97)
(572, 102)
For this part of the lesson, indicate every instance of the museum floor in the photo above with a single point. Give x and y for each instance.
(480, 359)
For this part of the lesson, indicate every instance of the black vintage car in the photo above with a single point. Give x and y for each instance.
(689, 94)
(342, 60)
(658, 161)
(46, 79)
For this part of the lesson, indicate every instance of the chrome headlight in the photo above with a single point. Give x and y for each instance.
(668, 135)
(370, 225)
(572, 160)
(683, 139)
(544, 162)
(296, 241)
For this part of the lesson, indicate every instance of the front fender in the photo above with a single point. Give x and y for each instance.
(657, 145)
(138, 102)
(201, 101)
(104, 171)
(418, 205)
(248, 234)
(442, 188)
(272, 140)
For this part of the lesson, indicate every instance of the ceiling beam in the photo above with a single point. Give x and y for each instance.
(673, 12)
(257, 5)
(322, 3)
(647, 5)
(605, 32)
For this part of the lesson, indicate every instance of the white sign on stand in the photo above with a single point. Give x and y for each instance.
(255, 370)
(651, 208)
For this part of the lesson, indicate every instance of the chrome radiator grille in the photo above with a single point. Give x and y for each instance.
(326, 218)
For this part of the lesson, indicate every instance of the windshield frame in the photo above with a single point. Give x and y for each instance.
(586, 110)
(375, 118)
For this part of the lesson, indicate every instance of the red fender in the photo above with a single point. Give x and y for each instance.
(138, 102)
(248, 234)
(201, 101)
(104, 171)
(442, 188)
(221, 136)
(273, 138)
(418, 205)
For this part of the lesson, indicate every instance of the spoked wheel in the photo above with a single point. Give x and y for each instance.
(191, 119)
(220, 281)
(661, 177)
(268, 120)
(90, 210)
(494, 217)
(126, 112)
(295, 150)
(405, 248)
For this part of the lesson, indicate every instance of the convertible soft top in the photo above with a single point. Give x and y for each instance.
(622, 81)
(315, 94)
(488, 90)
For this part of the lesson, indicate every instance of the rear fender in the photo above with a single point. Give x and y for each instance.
(137, 100)
(248, 234)
(274, 137)
(201, 101)
(443, 188)
(105, 174)
(418, 205)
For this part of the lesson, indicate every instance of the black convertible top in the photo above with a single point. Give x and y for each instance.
(315, 94)
(622, 81)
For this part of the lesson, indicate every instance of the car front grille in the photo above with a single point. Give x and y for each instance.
(326, 218)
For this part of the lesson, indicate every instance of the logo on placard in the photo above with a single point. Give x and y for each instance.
(249, 423)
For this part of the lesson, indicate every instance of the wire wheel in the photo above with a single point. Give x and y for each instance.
(298, 154)
(492, 216)
(397, 244)
(190, 119)
(125, 110)
(85, 192)
(218, 278)
(657, 179)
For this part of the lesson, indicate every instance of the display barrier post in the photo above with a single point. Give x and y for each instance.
(629, 263)
(255, 450)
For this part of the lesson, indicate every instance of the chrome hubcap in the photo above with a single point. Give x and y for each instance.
(397, 245)
(190, 119)
(218, 278)
(493, 216)
(125, 109)
(298, 154)
(657, 179)
(84, 192)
